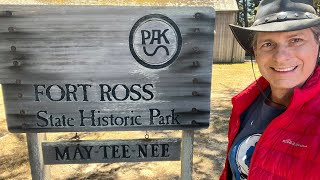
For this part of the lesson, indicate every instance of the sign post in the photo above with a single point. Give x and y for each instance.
(38, 169)
(101, 68)
(187, 154)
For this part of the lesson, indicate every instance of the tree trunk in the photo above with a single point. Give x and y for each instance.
(245, 13)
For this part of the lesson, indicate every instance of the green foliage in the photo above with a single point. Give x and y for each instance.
(246, 11)
(317, 6)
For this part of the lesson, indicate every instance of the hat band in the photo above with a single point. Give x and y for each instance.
(284, 16)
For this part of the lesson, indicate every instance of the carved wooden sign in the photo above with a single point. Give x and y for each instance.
(100, 68)
(81, 152)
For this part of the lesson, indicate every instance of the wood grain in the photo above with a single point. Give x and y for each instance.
(139, 150)
(72, 46)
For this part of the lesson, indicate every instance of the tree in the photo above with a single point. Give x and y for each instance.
(246, 11)
(317, 6)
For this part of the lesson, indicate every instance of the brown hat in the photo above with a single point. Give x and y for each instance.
(277, 16)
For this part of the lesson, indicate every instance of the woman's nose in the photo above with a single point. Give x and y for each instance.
(281, 53)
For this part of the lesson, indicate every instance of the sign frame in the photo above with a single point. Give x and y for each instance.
(14, 58)
(48, 87)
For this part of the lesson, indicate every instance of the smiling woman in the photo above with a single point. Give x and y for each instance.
(286, 60)
(275, 122)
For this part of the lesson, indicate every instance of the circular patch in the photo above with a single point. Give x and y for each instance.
(244, 154)
(155, 41)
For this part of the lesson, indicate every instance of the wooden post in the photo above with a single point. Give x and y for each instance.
(38, 170)
(187, 154)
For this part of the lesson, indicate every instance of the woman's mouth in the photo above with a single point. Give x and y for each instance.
(288, 69)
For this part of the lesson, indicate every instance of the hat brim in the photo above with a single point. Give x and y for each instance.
(244, 34)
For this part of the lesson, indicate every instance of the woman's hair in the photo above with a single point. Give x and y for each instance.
(316, 32)
(253, 36)
(314, 29)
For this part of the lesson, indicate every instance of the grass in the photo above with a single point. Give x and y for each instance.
(209, 144)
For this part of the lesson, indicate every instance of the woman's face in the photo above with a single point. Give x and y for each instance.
(286, 59)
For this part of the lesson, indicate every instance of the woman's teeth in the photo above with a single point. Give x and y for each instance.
(284, 69)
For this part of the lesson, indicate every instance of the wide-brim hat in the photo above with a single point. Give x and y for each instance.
(277, 16)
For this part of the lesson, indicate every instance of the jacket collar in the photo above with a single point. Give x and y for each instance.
(308, 90)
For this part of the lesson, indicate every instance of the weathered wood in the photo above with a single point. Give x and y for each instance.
(149, 63)
(187, 154)
(228, 49)
(80, 152)
(54, 44)
(38, 170)
(164, 112)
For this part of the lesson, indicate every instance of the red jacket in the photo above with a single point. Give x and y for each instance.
(289, 148)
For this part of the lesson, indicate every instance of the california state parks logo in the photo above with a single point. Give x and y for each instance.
(155, 41)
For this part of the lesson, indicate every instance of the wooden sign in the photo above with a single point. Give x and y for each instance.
(80, 152)
(99, 68)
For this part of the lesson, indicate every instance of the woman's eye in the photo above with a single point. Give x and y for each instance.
(296, 40)
(266, 44)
